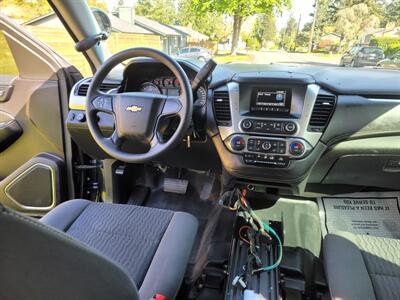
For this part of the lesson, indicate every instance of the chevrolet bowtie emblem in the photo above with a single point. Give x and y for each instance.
(134, 108)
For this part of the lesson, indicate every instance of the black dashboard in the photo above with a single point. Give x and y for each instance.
(291, 128)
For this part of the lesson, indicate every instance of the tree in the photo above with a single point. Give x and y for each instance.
(288, 34)
(159, 10)
(325, 19)
(265, 29)
(352, 21)
(392, 12)
(209, 23)
(239, 10)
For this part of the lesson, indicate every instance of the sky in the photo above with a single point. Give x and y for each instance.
(299, 7)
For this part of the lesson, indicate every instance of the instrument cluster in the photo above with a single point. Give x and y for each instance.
(170, 86)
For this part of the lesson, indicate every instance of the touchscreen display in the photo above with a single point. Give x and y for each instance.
(271, 101)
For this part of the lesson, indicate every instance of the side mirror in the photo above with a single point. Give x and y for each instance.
(103, 20)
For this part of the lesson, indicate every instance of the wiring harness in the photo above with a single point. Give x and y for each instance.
(257, 226)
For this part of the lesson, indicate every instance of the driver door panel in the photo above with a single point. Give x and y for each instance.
(32, 144)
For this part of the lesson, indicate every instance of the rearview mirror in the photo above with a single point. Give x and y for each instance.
(103, 20)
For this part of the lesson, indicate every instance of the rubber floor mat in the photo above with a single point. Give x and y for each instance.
(374, 214)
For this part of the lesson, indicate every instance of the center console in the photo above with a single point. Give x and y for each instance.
(269, 124)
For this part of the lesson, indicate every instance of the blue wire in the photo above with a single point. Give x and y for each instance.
(278, 261)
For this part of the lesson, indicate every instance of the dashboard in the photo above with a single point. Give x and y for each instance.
(301, 129)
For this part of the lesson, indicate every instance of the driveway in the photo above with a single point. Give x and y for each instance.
(267, 57)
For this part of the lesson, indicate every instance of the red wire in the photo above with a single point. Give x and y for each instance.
(240, 234)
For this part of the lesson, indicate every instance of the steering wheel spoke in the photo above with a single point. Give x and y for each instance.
(103, 103)
(113, 141)
(173, 106)
(116, 140)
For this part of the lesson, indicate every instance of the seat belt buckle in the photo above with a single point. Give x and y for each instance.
(158, 297)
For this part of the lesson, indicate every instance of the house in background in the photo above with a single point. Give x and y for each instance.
(192, 37)
(171, 39)
(329, 42)
(49, 29)
(390, 31)
(136, 35)
(127, 29)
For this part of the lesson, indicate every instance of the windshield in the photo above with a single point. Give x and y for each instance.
(315, 32)
(347, 33)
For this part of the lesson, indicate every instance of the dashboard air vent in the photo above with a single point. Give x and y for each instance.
(222, 108)
(322, 112)
(104, 87)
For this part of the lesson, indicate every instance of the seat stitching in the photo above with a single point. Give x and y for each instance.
(158, 247)
(363, 253)
(387, 275)
(73, 221)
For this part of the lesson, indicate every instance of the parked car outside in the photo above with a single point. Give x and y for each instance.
(392, 62)
(199, 53)
(362, 56)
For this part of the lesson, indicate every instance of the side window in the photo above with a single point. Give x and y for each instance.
(184, 51)
(193, 50)
(8, 68)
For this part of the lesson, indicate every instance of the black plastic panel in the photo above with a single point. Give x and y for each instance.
(358, 117)
(10, 131)
(365, 170)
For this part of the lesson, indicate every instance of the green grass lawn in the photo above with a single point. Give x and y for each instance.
(226, 58)
(327, 55)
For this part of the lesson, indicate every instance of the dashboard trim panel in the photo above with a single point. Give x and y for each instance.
(302, 123)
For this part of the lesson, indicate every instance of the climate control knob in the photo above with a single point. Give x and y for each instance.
(296, 148)
(266, 145)
(238, 143)
(247, 124)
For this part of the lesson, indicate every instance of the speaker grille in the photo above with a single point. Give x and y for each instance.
(33, 188)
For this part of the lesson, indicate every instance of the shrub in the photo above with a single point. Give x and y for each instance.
(389, 45)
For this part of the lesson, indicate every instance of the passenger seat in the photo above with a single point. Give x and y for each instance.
(362, 266)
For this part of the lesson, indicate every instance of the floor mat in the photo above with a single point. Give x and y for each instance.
(374, 214)
(301, 222)
(214, 236)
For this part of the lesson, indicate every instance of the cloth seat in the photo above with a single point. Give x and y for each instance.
(86, 250)
(362, 266)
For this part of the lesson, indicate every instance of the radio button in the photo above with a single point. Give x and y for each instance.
(290, 127)
(266, 145)
(247, 124)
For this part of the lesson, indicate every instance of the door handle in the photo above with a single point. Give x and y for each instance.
(5, 92)
(10, 131)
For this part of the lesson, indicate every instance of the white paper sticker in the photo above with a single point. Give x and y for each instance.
(374, 216)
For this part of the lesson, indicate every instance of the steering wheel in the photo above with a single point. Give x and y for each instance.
(137, 114)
